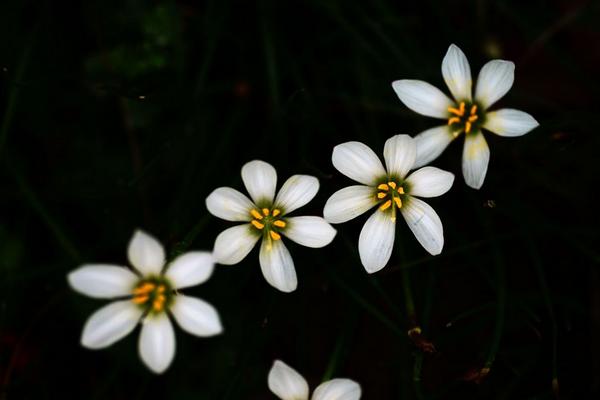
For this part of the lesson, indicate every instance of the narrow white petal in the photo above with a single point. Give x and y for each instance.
(260, 179)
(431, 143)
(457, 73)
(229, 204)
(157, 342)
(233, 244)
(110, 324)
(476, 156)
(424, 222)
(376, 241)
(309, 231)
(399, 152)
(102, 281)
(358, 162)
(297, 191)
(190, 269)
(286, 383)
(423, 98)
(277, 265)
(196, 316)
(349, 203)
(509, 122)
(494, 81)
(145, 253)
(337, 389)
(430, 182)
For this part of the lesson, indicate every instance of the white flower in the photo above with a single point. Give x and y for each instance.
(390, 190)
(266, 217)
(465, 113)
(287, 384)
(145, 295)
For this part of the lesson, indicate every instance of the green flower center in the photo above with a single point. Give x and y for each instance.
(464, 118)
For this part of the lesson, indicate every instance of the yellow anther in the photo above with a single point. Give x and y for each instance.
(473, 118)
(453, 120)
(467, 127)
(381, 195)
(140, 299)
(398, 202)
(265, 212)
(455, 111)
(279, 223)
(257, 224)
(383, 186)
(159, 302)
(385, 205)
(144, 289)
(392, 185)
(462, 108)
(256, 214)
(275, 235)
(161, 289)
(276, 212)
(400, 190)
(473, 109)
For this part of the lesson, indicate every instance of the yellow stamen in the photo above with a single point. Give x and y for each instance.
(381, 195)
(275, 235)
(279, 223)
(383, 186)
(392, 185)
(473, 118)
(144, 289)
(161, 289)
(276, 212)
(265, 212)
(257, 224)
(158, 304)
(400, 190)
(385, 205)
(462, 108)
(140, 299)
(453, 120)
(467, 127)
(256, 214)
(456, 111)
(473, 109)
(398, 202)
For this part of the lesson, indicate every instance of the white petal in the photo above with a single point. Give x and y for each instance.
(110, 324)
(457, 73)
(349, 203)
(260, 179)
(102, 281)
(476, 155)
(424, 222)
(423, 98)
(286, 383)
(495, 79)
(157, 342)
(337, 389)
(431, 143)
(430, 182)
(509, 122)
(297, 191)
(358, 162)
(229, 204)
(196, 316)
(233, 244)
(399, 152)
(277, 265)
(146, 253)
(376, 241)
(309, 231)
(190, 269)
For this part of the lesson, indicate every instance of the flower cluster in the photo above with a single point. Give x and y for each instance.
(149, 291)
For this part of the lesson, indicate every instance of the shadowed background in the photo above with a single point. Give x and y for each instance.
(125, 114)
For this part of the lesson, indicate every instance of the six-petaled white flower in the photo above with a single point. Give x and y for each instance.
(266, 218)
(145, 295)
(389, 190)
(287, 384)
(465, 114)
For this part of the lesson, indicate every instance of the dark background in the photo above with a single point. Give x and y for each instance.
(118, 114)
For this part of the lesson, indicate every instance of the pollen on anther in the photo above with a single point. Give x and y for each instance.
(400, 190)
(279, 224)
(265, 212)
(276, 212)
(453, 120)
(257, 224)
(473, 109)
(467, 127)
(381, 195)
(140, 299)
(398, 202)
(385, 205)
(274, 235)
(473, 118)
(256, 214)
(392, 185)
(383, 186)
